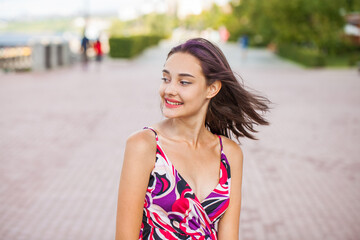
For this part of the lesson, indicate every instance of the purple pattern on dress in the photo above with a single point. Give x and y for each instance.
(171, 209)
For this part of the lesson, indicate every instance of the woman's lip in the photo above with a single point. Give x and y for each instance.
(168, 105)
(172, 100)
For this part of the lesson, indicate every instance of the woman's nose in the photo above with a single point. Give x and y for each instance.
(170, 89)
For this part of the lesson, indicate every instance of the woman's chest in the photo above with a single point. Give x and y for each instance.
(200, 169)
(169, 193)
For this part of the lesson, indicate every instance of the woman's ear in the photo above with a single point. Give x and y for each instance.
(213, 89)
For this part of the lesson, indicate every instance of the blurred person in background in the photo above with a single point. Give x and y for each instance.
(98, 50)
(85, 44)
(182, 177)
(224, 34)
(244, 43)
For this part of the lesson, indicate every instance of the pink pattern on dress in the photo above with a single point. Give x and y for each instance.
(171, 209)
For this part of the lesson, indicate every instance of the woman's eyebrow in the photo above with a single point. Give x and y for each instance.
(186, 75)
(180, 74)
(165, 71)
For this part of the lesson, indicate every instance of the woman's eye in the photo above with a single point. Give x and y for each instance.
(185, 82)
(165, 79)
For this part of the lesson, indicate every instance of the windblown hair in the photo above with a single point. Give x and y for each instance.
(234, 111)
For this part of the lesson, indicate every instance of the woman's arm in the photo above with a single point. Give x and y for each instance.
(139, 160)
(229, 223)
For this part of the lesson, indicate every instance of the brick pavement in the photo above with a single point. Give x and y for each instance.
(62, 136)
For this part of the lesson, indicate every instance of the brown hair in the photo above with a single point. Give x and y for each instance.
(234, 110)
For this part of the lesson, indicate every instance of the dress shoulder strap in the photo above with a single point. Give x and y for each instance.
(221, 144)
(156, 135)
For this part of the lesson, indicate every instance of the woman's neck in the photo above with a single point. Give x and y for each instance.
(190, 131)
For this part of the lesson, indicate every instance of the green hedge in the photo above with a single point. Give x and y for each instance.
(303, 55)
(128, 47)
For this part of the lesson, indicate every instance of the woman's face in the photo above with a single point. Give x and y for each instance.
(184, 91)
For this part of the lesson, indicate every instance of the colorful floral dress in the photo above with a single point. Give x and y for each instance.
(171, 209)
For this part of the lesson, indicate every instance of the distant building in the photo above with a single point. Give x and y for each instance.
(352, 27)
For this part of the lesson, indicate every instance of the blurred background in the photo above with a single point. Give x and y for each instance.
(78, 77)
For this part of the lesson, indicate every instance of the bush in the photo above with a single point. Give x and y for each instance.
(306, 56)
(128, 47)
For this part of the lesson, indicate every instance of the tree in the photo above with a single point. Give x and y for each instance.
(312, 23)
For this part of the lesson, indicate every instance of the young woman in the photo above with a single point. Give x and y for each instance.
(181, 178)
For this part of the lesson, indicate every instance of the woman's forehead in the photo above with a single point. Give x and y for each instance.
(182, 63)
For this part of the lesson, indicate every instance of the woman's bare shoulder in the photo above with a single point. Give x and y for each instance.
(142, 138)
(232, 151)
(230, 145)
(141, 143)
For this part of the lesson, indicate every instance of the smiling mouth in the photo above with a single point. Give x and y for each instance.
(168, 102)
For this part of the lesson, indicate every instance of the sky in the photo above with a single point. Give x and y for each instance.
(10, 9)
(38, 8)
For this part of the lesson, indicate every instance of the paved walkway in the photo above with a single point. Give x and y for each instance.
(62, 137)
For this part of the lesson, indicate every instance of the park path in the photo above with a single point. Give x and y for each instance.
(62, 136)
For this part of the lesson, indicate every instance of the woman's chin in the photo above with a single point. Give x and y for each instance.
(169, 114)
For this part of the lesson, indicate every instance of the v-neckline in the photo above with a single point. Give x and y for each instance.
(178, 173)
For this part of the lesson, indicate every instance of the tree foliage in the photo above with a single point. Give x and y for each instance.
(212, 18)
(149, 24)
(315, 24)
